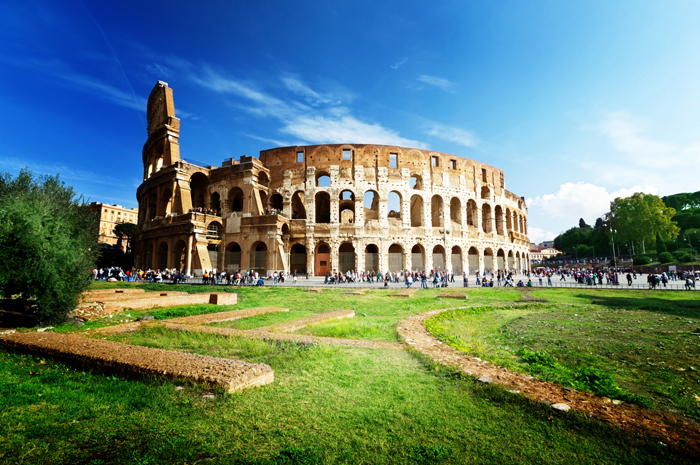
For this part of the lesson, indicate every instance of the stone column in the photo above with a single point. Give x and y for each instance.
(335, 265)
(448, 257)
(310, 258)
(481, 262)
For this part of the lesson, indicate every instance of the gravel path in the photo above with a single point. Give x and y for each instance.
(666, 426)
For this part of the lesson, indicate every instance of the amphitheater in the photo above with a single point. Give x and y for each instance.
(322, 208)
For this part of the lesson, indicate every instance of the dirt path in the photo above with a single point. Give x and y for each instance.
(668, 428)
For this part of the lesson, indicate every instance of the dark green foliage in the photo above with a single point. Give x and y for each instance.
(665, 257)
(684, 257)
(48, 244)
(641, 260)
(660, 245)
(582, 224)
(125, 231)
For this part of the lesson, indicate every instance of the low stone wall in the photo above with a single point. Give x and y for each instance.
(290, 326)
(140, 303)
(226, 316)
(105, 298)
(231, 375)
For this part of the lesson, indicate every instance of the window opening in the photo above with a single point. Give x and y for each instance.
(300, 157)
(393, 160)
(347, 155)
(434, 161)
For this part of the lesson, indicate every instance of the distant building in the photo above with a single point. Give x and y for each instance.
(110, 216)
(543, 254)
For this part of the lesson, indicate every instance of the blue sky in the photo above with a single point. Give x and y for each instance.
(578, 102)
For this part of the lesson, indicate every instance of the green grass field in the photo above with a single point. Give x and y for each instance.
(368, 406)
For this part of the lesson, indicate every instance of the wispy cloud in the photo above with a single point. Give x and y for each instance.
(14, 165)
(275, 142)
(312, 97)
(442, 83)
(399, 63)
(451, 133)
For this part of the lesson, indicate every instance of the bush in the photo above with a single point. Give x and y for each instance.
(641, 260)
(665, 257)
(684, 257)
(48, 245)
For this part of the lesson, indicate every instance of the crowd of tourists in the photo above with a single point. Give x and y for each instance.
(207, 211)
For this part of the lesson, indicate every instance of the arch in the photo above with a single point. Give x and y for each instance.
(393, 205)
(152, 205)
(486, 224)
(164, 203)
(323, 179)
(276, 202)
(346, 206)
(511, 260)
(235, 199)
(323, 207)
(485, 193)
(416, 210)
(214, 231)
(396, 262)
(488, 259)
(285, 231)
(258, 257)
(437, 211)
(416, 182)
(346, 257)
(299, 205)
(522, 225)
(417, 258)
(456, 210)
(232, 257)
(509, 220)
(370, 201)
(323, 259)
(297, 259)
(516, 223)
(263, 200)
(439, 258)
(517, 261)
(473, 258)
(472, 214)
(371, 257)
(198, 187)
(163, 255)
(456, 260)
(499, 220)
(216, 202)
(263, 179)
(501, 259)
(179, 259)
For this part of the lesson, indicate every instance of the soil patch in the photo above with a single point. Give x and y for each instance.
(290, 326)
(453, 295)
(529, 298)
(226, 316)
(405, 293)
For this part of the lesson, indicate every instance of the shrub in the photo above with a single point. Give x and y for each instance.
(641, 260)
(665, 257)
(48, 244)
(684, 257)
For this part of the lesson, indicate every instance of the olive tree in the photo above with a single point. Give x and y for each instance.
(48, 244)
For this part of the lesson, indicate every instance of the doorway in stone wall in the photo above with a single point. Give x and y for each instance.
(323, 259)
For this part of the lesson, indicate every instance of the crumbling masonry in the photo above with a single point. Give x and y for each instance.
(322, 208)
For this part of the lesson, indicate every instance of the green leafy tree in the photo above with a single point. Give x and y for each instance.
(660, 244)
(48, 244)
(125, 231)
(640, 218)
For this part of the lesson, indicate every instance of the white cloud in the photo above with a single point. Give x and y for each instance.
(627, 138)
(311, 96)
(399, 63)
(452, 134)
(580, 200)
(538, 235)
(442, 83)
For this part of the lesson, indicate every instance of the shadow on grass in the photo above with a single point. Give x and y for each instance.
(679, 307)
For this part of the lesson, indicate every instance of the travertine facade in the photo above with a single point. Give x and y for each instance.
(110, 216)
(323, 208)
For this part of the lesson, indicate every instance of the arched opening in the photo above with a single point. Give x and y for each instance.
(323, 207)
(263, 179)
(323, 179)
(346, 257)
(285, 231)
(416, 211)
(164, 204)
(347, 207)
(297, 259)
(473, 259)
(516, 223)
(263, 201)
(472, 214)
(525, 226)
(258, 258)
(437, 212)
(501, 259)
(395, 257)
(417, 258)
(439, 258)
(235, 199)
(214, 231)
(299, 206)
(485, 193)
(488, 259)
(371, 258)
(499, 221)
(232, 257)
(198, 187)
(522, 225)
(163, 256)
(276, 202)
(416, 182)
(393, 206)
(152, 205)
(511, 261)
(323, 259)
(456, 211)
(456, 260)
(216, 203)
(486, 224)
(179, 255)
(370, 202)
(509, 220)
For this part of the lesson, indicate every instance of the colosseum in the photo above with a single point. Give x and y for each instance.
(322, 208)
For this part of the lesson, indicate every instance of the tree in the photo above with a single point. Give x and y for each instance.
(48, 244)
(640, 218)
(660, 245)
(125, 231)
(599, 223)
(582, 224)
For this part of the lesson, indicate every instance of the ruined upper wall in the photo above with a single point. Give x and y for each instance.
(162, 147)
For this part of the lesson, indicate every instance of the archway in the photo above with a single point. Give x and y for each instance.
(235, 199)
(501, 259)
(518, 263)
(163, 256)
(499, 220)
(263, 179)
(416, 182)
(393, 206)
(263, 200)
(439, 258)
(488, 259)
(395, 257)
(297, 259)
(509, 220)
(346, 257)
(323, 259)
(216, 203)
(473, 259)
(164, 204)
(323, 179)
(152, 205)
(485, 193)
(370, 202)
(276, 202)
(486, 223)
(511, 261)
(347, 207)
(472, 214)
(198, 187)
(258, 258)
(437, 211)
(456, 211)
(416, 211)
(323, 207)
(371, 258)
(456, 260)
(232, 257)
(417, 258)
(298, 206)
